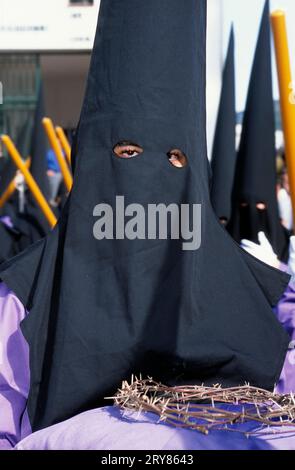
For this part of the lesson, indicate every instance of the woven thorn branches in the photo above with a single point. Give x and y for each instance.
(205, 409)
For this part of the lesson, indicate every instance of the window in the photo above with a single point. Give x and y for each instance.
(87, 3)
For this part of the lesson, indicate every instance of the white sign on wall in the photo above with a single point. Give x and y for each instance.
(70, 25)
(47, 25)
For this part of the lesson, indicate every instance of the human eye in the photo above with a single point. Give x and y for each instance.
(127, 150)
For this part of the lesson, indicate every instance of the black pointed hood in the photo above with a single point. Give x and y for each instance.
(255, 179)
(11, 236)
(224, 147)
(22, 143)
(7, 174)
(33, 222)
(145, 78)
(102, 308)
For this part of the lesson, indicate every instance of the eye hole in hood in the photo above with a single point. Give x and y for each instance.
(177, 158)
(127, 149)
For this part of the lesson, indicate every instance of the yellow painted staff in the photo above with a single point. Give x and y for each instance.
(64, 142)
(34, 188)
(287, 96)
(48, 126)
(9, 191)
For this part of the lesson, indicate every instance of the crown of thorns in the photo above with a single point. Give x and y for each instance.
(203, 408)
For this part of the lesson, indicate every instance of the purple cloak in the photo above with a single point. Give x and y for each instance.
(14, 371)
(286, 315)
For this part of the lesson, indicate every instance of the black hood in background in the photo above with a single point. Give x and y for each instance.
(224, 146)
(255, 178)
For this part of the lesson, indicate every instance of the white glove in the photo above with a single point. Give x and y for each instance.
(19, 180)
(263, 250)
(291, 262)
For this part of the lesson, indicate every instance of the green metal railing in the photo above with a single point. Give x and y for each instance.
(20, 77)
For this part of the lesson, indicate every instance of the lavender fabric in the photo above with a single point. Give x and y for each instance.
(6, 220)
(286, 315)
(14, 371)
(107, 428)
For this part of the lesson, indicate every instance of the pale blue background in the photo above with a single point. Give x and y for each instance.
(246, 15)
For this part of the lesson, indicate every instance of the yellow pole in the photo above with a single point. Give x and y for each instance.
(48, 126)
(287, 96)
(11, 187)
(64, 142)
(34, 188)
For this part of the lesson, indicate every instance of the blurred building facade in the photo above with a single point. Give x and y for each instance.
(52, 41)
